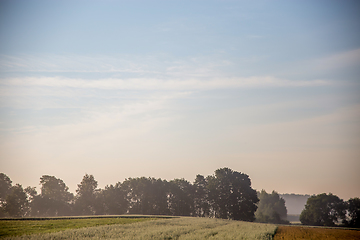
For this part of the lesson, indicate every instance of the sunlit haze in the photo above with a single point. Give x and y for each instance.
(172, 89)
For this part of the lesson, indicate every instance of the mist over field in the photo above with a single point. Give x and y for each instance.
(170, 90)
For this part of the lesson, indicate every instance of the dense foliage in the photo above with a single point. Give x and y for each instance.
(231, 195)
(329, 210)
(353, 219)
(227, 194)
(271, 208)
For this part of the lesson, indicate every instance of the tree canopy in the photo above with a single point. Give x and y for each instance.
(231, 195)
(54, 199)
(353, 208)
(271, 208)
(323, 210)
(16, 202)
(85, 202)
(225, 194)
(5, 186)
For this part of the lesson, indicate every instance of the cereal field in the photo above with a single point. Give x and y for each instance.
(155, 227)
(174, 228)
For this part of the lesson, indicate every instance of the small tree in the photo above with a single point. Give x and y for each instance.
(271, 208)
(323, 210)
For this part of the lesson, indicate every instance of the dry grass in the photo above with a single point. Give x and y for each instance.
(314, 233)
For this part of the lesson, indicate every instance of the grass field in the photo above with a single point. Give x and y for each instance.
(151, 227)
(175, 228)
(314, 233)
(31, 226)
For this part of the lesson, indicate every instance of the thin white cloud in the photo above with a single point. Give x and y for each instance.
(71, 63)
(339, 61)
(161, 84)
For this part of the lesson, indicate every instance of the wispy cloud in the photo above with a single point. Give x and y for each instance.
(161, 84)
(339, 60)
(338, 66)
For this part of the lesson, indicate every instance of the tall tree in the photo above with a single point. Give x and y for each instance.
(146, 195)
(201, 202)
(180, 197)
(231, 195)
(16, 202)
(85, 203)
(271, 208)
(323, 210)
(54, 199)
(5, 186)
(115, 199)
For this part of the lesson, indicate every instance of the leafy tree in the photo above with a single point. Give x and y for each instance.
(115, 199)
(231, 195)
(16, 202)
(201, 202)
(5, 187)
(271, 208)
(146, 195)
(85, 202)
(353, 206)
(323, 210)
(180, 198)
(31, 192)
(54, 199)
(159, 190)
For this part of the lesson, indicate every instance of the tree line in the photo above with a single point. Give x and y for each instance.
(226, 194)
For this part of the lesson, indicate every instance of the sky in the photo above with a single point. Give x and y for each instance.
(172, 89)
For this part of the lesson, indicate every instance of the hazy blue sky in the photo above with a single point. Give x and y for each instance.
(171, 89)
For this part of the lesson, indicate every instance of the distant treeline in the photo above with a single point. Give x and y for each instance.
(226, 194)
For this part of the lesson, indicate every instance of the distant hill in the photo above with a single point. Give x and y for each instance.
(294, 203)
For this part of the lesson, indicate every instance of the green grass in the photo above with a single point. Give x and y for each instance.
(24, 226)
(174, 228)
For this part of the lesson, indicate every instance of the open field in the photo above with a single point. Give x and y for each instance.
(48, 225)
(314, 233)
(159, 227)
(175, 228)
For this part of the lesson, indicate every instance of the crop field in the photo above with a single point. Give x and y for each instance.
(10, 228)
(152, 227)
(174, 228)
(314, 233)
